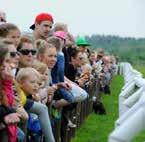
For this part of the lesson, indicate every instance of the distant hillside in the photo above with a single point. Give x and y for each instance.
(128, 49)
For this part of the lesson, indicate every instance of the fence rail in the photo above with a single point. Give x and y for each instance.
(131, 119)
(61, 132)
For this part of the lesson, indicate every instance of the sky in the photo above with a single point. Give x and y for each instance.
(125, 18)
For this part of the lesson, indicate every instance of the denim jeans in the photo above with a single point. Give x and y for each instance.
(66, 95)
(42, 111)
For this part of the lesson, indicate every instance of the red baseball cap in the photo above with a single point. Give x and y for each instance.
(42, 17)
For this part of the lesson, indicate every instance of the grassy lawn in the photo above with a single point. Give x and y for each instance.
(97, 128)
(140, 69)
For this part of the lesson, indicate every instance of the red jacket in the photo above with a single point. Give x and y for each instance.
(8, 90)
(7, 87)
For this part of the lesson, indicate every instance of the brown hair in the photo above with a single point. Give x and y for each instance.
(6, 28)
(3, 53)
(24, 39)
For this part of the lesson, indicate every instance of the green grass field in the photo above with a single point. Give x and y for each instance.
(97, 128)
(140, 69)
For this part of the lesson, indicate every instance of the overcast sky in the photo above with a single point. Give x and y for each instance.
(113, 17)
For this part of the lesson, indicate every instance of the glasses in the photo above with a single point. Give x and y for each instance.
(27, 51)
(14, 54)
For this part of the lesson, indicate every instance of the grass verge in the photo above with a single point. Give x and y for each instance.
(97, 128)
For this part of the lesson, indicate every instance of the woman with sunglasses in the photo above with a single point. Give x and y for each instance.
(27, 52)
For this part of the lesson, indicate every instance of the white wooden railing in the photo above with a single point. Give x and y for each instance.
(131, 119)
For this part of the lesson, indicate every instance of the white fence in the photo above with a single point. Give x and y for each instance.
(131, 119)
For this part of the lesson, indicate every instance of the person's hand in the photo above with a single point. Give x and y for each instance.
(6, 72)
(51, 91)
(49, 99)
(64, 85)
(81, 82)
(24, 115)
(12, 118)
(36, 97)
(101, 75)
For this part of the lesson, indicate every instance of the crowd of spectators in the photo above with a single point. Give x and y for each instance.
(49, 69)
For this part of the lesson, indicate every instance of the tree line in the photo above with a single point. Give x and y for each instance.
(127, 48)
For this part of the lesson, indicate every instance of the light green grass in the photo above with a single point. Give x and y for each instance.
(97, 128)
(140, 69)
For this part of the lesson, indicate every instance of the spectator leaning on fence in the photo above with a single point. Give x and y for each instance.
(28, 79)
(82, 44)
(71, 69)
(8, 115)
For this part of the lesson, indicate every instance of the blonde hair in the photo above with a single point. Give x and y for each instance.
(60, 27)
(41, 46)
(7, 41)
(86, 68)
(24, 73)
(39, 66)
(54, 41)
(84, 57)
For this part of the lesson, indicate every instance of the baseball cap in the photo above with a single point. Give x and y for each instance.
(40, 18)
(60, 34)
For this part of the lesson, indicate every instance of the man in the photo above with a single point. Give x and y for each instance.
(42, 26)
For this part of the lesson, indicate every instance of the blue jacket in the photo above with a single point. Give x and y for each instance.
(57, 72)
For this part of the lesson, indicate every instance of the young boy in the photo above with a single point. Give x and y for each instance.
(28, 78)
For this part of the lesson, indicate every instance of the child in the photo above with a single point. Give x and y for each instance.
(10, 31)
(28, 79)
(44, 90)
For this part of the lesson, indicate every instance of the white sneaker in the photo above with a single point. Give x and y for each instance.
(71, 125)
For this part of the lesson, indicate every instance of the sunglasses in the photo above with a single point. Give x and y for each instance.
(14, 54)
(27, 51)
